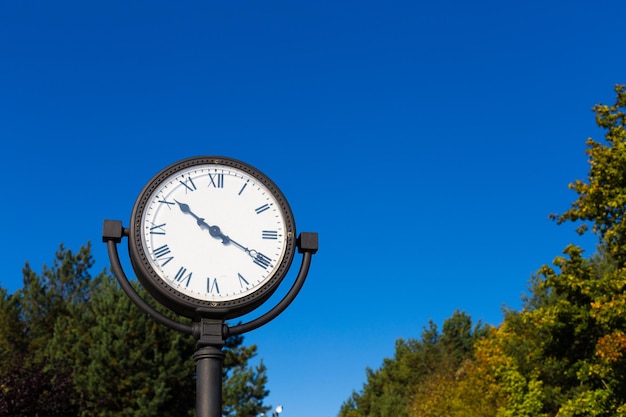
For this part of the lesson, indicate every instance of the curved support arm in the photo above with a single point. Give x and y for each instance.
(118, 271)
(112, 235)
(308, 245)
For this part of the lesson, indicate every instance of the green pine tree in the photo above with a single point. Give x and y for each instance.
(92, 352)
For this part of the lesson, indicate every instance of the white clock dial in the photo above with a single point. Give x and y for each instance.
(213, 232)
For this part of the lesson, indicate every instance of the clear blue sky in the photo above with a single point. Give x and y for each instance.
(426, 143)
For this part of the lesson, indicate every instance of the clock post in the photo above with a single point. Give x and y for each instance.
(210, 262)
(209, 359)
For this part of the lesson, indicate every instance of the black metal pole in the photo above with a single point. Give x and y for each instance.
(209, 359)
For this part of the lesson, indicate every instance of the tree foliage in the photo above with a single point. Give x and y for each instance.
(564, 353)
(28, 390)
(73, 344)
(389, 391)
(602, 198)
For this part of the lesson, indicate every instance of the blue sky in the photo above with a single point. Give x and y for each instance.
(426, 143)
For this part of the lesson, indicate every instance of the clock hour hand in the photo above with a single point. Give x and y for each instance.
(213, 230)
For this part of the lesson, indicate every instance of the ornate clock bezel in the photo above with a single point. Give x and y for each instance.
(184, 304)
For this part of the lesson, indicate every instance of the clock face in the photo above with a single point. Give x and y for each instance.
(211, 232)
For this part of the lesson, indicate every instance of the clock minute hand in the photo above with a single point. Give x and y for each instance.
(258, 258)
(239, 245)
(213, 230)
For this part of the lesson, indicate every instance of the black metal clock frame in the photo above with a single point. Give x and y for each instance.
(183, 304)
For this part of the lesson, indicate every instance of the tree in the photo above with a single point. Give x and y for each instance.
(124, 363)
(12, 332)
(602, 198)
(52, 296)
(564, 353)
(29, 390)
(418, 369)
(29, 384)
(590, 294)
(84, 349)
(244, 385)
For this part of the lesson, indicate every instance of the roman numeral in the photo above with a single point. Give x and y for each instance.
(211, 286)
(189, 184)
(269, 234)
(242, 280)
(216, 180)
(261, 209)
(262, 260)
(180, 276)
(168, 203)
(161, 253)
(157, 229)
(243, 188)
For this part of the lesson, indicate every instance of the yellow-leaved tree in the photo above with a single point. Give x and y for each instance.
(564, 353)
